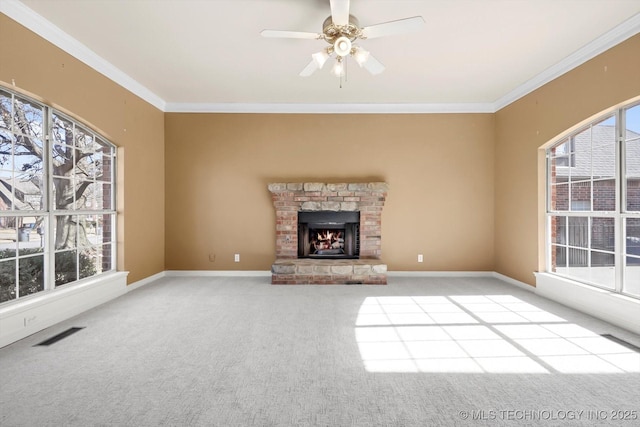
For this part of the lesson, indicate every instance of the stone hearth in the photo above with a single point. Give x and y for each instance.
(291, 198)
(328, 272)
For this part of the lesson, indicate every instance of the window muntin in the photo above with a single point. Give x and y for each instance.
(632, 159)
(632, 256)
(57, 204)
(631, 150)
(564, 154)
(584, 247)
(21, 154)
(590, 184)
(591, 202)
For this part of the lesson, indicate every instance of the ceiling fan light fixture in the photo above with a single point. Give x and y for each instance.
(320, 58)
(340, 31)
(342, 46)
(338, 67)
(360, 55)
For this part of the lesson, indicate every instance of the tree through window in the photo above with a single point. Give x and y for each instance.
(57, 210)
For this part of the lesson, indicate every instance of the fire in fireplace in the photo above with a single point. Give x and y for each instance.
(328, 234)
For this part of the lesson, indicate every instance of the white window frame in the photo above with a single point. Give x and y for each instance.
(620, 214)
(49, 213)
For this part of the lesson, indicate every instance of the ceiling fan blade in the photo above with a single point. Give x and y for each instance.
(289, 34)
(309, 69)
(373, 65)
(400, 26)
(340, 12)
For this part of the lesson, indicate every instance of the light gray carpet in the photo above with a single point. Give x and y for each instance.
(241, 352)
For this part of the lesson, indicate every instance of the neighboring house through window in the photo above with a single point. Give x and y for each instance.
(593, 205)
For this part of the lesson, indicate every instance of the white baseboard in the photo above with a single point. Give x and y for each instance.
(266, 273)
(439, 274)
(514, 282)
(147, 280)
(45, 309)
(493, 274)
(217, 273)
(611, 307)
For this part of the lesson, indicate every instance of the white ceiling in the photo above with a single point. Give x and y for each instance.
(208, 55)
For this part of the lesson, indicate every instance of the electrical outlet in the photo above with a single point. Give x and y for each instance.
(236, 257)
(420, 258)
(212, 257)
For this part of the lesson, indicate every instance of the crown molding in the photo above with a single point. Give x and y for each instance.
(617, 35)
(27, 17)
(284, 108)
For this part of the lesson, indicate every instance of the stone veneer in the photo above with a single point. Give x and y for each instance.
(291, 198)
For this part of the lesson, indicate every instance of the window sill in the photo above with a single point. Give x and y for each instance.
(612, 307)
(22, 318)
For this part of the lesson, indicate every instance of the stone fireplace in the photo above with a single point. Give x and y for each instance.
(328, 233)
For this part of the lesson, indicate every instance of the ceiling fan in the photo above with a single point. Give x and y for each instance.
(340, 31)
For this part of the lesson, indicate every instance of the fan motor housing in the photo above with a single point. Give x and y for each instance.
(333, 32)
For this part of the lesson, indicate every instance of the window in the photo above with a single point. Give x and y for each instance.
(57, 206)
(593, 206)
(565, 153)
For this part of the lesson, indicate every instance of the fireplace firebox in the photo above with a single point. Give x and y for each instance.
(329, 234)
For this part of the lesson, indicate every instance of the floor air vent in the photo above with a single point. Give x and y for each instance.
(54, 339)
(621, 342)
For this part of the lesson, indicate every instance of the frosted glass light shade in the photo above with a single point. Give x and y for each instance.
(320, 58)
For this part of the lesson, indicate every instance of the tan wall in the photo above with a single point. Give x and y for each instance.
(443, 170)
(534, 120)
(132, 124)
(439, 168)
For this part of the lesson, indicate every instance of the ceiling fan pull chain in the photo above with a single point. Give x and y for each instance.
(346, 69)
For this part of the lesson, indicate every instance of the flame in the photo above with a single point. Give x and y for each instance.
(327, 236)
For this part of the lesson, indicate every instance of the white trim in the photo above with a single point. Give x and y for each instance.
(217, 273)
(493, 274)
(284, 108)
(45, 309)
(261, 273)
(611, 307)
(617, 35)
(514, 282)
(146, 281)
(26, 16)
(440, 273)
(38, 24)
